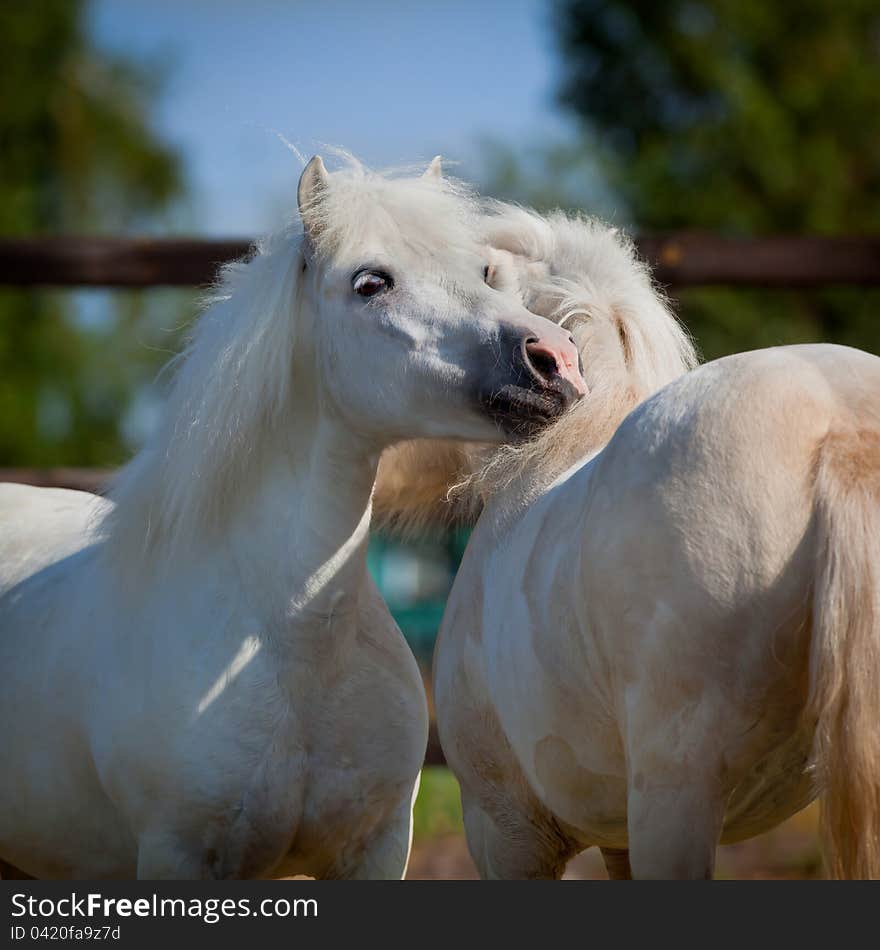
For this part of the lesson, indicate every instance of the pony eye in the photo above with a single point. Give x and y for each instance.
(368, 283)
(489, 275)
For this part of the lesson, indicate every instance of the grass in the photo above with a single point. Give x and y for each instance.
(438, 807)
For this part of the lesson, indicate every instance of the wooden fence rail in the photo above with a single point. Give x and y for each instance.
(81, 479)
(684, 259)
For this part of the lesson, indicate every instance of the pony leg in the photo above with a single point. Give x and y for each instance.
(673, 831)
(617, 864)
(517, 851)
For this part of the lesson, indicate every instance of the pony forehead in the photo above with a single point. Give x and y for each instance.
(390, 213)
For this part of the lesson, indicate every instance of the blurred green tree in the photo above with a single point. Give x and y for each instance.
(738, 115)
(77, 155)
(735, 116)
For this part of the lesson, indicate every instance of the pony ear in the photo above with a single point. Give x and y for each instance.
(312, 184)
(435, 169)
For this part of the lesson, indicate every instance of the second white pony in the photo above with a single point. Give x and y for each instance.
(666, 627)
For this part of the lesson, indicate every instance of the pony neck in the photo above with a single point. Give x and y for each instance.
(291, 536)
(299, 542)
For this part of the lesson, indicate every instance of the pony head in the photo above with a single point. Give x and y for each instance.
(403, 333)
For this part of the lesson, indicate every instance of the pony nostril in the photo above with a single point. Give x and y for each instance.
(540, 359)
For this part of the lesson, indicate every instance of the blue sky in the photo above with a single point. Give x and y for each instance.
(390, 80)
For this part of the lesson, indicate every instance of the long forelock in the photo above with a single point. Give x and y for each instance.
(436, 219)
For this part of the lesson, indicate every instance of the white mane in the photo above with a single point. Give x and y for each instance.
(588, 277)
(591, 275)
(234, 381)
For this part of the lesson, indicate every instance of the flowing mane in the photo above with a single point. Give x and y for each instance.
(232, 384)
(588, 277)
(234, 381)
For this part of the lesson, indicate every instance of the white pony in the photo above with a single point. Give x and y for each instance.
(667, 633)
(200, 679)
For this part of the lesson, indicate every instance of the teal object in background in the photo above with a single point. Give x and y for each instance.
(415, 577)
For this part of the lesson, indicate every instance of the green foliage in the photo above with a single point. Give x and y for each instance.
(76, 150)
(732, 116)
(735, 115)
(77, 155)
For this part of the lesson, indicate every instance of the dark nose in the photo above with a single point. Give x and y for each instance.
(554, 364)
